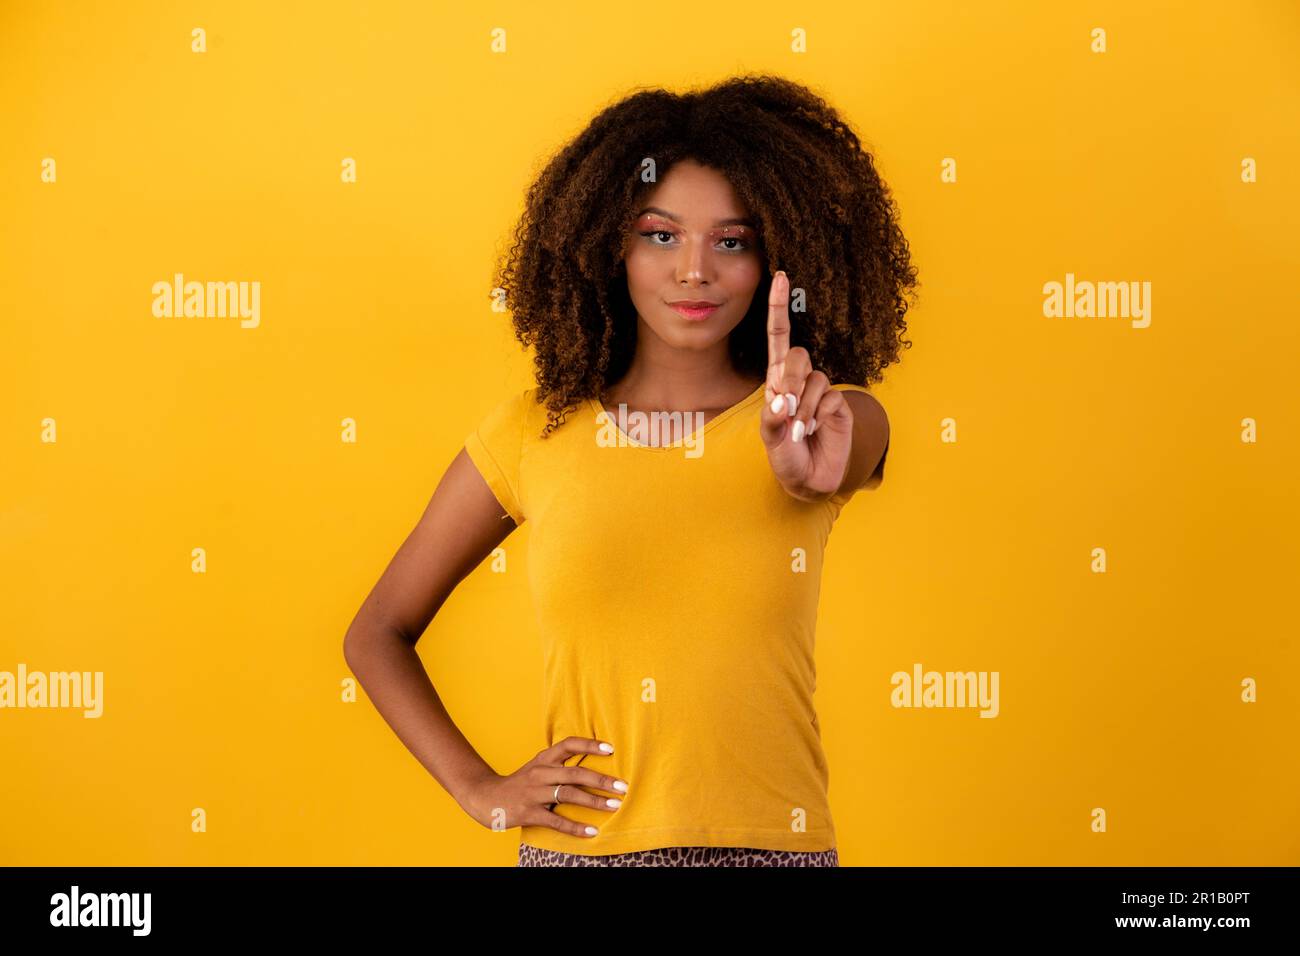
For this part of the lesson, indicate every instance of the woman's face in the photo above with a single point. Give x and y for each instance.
(692, 242)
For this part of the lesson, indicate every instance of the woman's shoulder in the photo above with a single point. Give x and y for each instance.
(523, 411)
(867, 399)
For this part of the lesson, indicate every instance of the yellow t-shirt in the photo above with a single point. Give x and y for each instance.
(676, 592)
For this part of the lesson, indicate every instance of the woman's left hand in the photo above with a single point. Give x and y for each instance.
(810, 434)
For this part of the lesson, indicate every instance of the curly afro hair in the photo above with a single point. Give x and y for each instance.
(823, 215)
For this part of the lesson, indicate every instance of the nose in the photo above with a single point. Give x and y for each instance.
(693, 264)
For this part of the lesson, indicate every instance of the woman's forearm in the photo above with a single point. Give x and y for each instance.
(389, 669)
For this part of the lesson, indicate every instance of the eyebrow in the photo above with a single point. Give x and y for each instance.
(738, 221)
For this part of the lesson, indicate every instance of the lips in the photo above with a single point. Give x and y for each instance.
(694, 309)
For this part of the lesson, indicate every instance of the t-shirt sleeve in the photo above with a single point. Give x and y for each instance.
(495, 449)
(877, 476)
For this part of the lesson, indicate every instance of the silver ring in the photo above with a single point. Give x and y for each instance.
(557, 793)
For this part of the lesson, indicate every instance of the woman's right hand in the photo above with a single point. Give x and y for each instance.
(524, 798)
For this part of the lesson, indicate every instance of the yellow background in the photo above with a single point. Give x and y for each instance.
(222, 690)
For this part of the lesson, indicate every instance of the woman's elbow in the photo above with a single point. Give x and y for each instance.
(362, 640)
(358, 642)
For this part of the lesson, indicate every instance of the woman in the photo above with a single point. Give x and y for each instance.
(725, 263)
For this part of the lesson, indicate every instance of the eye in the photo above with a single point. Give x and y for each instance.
(741, 246)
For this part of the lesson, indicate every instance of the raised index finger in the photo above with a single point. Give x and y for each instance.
(778, 321)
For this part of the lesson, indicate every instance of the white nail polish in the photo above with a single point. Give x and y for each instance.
(812, 425)
(620, 785)
(777, 404)
(796, 433)
(792, 402)
(607, 748)
(613, 802)
(591, 831)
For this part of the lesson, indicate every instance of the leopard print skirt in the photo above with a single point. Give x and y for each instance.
(681, 856)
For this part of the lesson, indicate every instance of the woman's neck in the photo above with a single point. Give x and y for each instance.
(683, 389)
